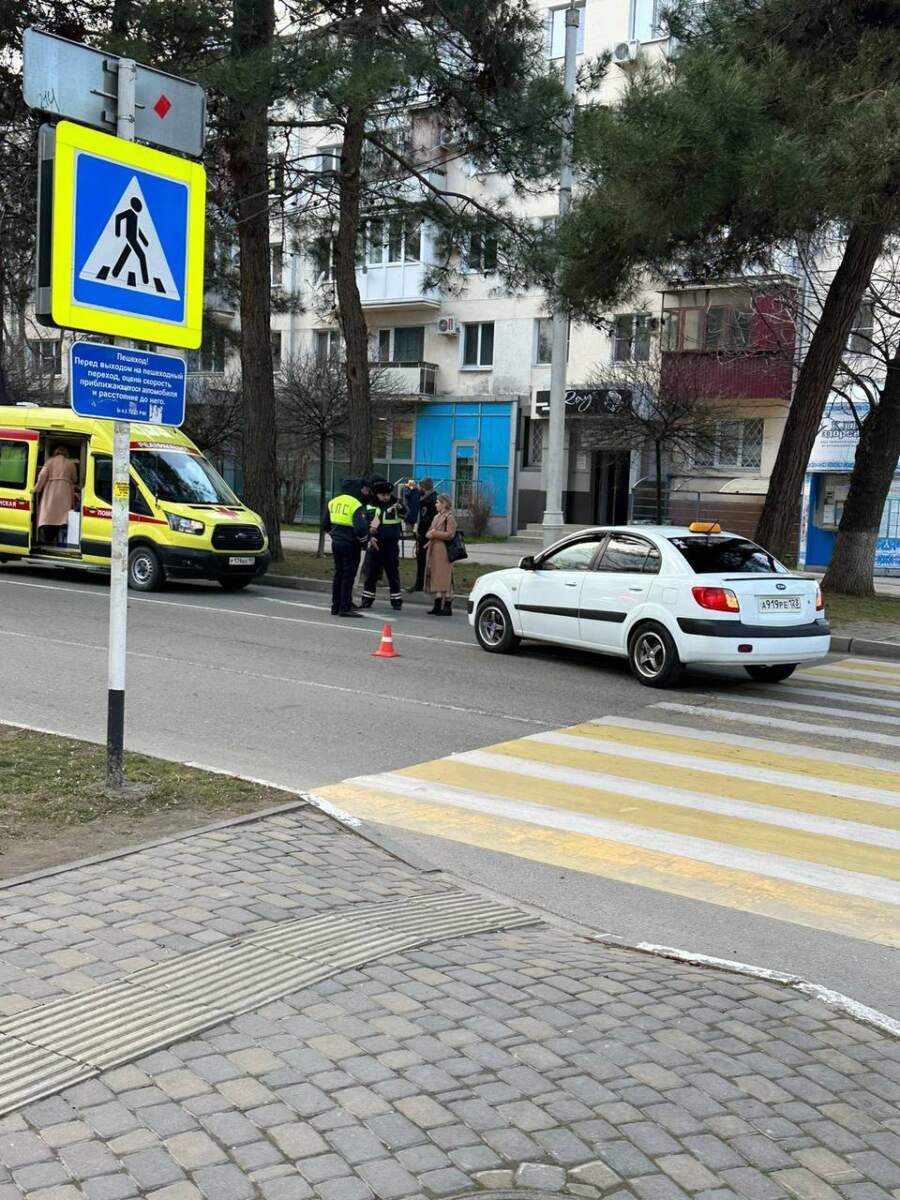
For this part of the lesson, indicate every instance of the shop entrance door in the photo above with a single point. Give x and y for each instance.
(610, 471)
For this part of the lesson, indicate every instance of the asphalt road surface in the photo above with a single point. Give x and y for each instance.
(266, 683)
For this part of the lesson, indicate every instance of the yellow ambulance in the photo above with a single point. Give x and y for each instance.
(185, 522)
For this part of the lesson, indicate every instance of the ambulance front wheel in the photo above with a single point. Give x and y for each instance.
(145, 572)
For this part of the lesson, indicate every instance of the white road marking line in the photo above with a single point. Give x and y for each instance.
(307, 683)
(883, 666)
(721, 767)
(813, 709)
(600, 781)
(856, 702)
(335, 623)
(801, 749)
(847, 680)
(736, 858)
(724, 714)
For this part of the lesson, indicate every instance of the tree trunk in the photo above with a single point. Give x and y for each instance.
(353, 320)
(247, 141)
(853, 561)
(659, 497)
(780, 517)
(323, 445)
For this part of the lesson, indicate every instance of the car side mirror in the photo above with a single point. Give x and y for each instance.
(527, 563)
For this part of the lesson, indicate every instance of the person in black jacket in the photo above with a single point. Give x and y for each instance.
(346, 520)
(427, 510)
(384, 545)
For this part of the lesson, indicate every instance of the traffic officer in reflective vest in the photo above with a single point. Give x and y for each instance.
(345, 519)
(386, 523)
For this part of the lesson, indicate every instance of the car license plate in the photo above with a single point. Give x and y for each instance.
(779, 604)
(241, 560)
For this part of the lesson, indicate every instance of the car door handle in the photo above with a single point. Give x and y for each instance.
(637, 589)
(571, 585)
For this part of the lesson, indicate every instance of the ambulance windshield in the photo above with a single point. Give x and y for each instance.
(181, 478)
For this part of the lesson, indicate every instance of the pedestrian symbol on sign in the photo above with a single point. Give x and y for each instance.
(128, 253)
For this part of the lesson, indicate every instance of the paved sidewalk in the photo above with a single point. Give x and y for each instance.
(533, 1060)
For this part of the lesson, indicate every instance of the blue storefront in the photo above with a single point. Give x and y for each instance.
(826, 487)
(468, 449)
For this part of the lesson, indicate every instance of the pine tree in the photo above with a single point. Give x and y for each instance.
(778, 123)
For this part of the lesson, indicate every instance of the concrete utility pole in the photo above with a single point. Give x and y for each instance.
(121, 475)
(553, 511)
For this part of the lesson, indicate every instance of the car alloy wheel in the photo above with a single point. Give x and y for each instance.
(492, 624)
(649, 654)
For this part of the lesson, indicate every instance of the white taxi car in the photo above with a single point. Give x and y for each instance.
(660, 596)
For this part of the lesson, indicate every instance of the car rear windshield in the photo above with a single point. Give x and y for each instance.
(710, 555)
(181, 478)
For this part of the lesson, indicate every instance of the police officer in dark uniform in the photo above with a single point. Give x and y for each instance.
(386, 522)
(345, 519)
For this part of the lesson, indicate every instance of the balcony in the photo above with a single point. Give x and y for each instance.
(396, 285)
(403, 380)
(749, 375)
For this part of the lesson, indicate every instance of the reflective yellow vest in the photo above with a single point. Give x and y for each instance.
(342, 508)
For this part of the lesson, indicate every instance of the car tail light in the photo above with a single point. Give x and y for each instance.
(718, 599)
(820, 600)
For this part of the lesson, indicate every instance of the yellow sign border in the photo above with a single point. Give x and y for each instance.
(71, 138)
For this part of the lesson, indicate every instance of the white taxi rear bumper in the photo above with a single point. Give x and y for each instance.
(710, 641)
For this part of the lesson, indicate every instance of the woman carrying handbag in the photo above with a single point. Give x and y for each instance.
(438, 567)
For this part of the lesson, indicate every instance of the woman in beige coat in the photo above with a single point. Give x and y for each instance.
(56, 488)
(438, 567)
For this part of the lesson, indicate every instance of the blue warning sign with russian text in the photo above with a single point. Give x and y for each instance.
(118, 384)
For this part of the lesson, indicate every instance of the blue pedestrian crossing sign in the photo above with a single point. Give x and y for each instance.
(128, 227)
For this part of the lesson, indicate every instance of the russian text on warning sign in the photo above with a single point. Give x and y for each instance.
(127, 385)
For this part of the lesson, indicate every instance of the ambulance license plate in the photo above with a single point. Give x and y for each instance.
(241, 560)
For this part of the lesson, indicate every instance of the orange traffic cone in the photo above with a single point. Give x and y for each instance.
(386, 649)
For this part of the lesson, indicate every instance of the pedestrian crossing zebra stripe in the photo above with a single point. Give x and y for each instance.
(653, 867)
(725, 714)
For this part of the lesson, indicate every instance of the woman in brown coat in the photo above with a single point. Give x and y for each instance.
(438, 567)
(56, 488)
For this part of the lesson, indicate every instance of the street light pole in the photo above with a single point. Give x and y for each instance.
(118, 580)
(553, 511)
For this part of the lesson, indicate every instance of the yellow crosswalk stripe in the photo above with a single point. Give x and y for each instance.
(720, 783)
(813, 907)
(661, 815)
(858, 678)
(866, 665)
(782, 829)
(725, 750)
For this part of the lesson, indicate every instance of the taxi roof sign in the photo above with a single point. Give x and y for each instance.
(128, 230)
(705, 527)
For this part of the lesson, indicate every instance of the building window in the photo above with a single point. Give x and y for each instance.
(323, 260)
(276, 256)
(481, 254)
(46, 356)
(478, 345)
(276, 349)
(719, 329)
(210, 358)
(555, 32)
(392, 439)
(631, 338)
(393, 241)
(645, 24)
(404, 345)
(326, 344)
(543, 341)
(860, 341)
(731, 443)
(532, 442)
(328, 160)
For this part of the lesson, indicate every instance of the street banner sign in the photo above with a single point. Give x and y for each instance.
(119, 384)
(69, 79)
(128, 228)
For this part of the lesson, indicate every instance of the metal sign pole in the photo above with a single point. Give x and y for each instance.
(118, 583)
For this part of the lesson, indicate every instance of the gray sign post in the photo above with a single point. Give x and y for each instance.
(68, 79)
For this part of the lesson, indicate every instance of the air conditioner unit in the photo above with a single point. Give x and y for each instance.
(653, 324)
(448, 326)
(626, 52)
(446, 137)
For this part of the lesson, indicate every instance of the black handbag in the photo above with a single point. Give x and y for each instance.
(456, 548)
